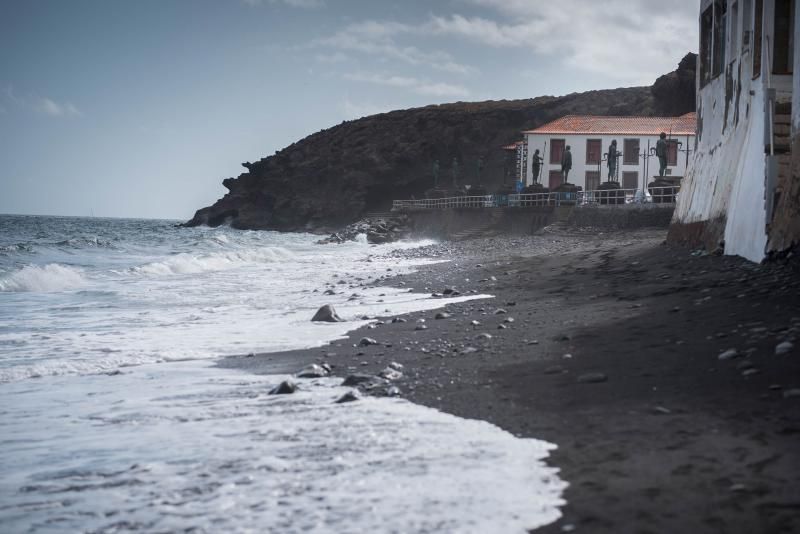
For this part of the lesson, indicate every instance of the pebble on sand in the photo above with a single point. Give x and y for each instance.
(366, 341)
(592, 378)
(784, 347)
(728, 354)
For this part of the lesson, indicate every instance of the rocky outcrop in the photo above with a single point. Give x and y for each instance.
(674, 93)
(384, 229)
(336, 176)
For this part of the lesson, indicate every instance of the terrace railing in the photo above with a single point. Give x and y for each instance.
(613, 197)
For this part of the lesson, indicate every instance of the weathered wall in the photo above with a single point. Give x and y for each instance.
(622, 217)
(784, 231)
(722, 196)
(446, 223)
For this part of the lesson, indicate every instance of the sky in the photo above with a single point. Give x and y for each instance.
(141, 108)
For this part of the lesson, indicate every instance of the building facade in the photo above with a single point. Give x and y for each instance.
(589, 138)
(742, 189)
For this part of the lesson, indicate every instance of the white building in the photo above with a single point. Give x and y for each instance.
(589, 138)
(743, 186)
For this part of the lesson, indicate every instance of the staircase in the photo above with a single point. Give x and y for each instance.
(485, 229)
(782, 129)
(779, 166)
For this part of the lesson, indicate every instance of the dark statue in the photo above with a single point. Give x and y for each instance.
(661, 153)
(566, 164)
(613, 160)
(536, 165)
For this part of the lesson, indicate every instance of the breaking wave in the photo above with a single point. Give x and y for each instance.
(185, 263)
(49, 278)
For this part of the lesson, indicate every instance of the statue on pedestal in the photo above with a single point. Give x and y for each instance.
(566, 164)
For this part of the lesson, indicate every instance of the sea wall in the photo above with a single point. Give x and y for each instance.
(455, 222)
(629, 216)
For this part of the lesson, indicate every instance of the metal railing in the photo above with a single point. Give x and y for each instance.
(613, 197)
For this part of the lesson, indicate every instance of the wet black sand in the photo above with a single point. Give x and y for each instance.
(669, 438)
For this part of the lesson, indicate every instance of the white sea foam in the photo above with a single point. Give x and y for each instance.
(48, 278)
(180, 447)
(192, 264)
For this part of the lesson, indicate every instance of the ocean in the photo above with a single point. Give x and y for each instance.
(113, 417)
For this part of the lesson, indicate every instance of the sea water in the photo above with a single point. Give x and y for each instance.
(114, 419)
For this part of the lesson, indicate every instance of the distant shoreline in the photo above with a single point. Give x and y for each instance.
(612, 355)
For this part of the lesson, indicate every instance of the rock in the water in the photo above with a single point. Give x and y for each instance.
(329, 292)
(350, 396)
(442, 315)
(784, 347)
(395, 365)
(366, 341)
(592, 378)
(390, 374)
(450, 291)
(398, 320)
(728, 354)
(312, 371)
(393, 391)
(327, 314)
(284, 388)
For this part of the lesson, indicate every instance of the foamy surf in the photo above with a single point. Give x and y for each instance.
(181, 446)
(47, 278)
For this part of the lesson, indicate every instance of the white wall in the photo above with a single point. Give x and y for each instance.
(577, 143)
(726, 178)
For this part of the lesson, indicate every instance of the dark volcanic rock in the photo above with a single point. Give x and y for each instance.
(335, 176)
(674, 93)
(284, 388)
(313, 371)
(327, 314)
(350, 396)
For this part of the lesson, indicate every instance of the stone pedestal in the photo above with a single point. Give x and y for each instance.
(610, 193)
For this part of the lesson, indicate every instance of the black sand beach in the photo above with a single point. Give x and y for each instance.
(609, 346)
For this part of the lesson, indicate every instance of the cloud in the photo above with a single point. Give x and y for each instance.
(632, 40)
(415, 85)
(38, 104)
(46, 106)
(380, 39)
(304, 4)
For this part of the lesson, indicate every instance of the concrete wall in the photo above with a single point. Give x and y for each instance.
(577, 143)
(445, 223)
(629, 216)
(723, 194)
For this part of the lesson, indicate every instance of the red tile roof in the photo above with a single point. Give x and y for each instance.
(593, 124)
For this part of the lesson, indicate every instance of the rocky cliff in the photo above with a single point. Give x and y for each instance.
(335, 176)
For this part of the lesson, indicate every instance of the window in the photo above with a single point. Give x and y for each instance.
(706, 26)
(554, 179)
(592, 180)
(713, 26)
(630, 152)
(672, 153)
(556, 151)
(594, 149)
(720, 27)
(783, 53)
(758, 22)
(734, 30)
(630, 180)
(747, 24)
